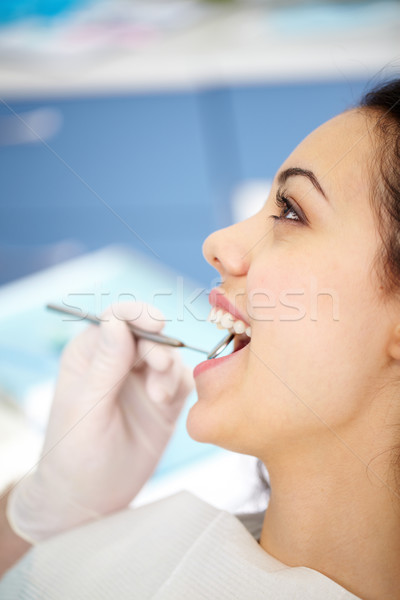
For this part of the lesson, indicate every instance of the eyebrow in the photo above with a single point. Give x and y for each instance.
(283, 176)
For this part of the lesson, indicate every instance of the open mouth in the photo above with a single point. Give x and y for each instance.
(224, 320)
(240, 341)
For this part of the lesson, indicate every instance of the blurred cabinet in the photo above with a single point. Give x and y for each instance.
(155, 171)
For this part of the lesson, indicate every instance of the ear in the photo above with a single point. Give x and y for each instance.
(394, 343)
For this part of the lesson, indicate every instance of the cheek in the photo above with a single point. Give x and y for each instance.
(321, 285)
(291, 292)
(311, 340)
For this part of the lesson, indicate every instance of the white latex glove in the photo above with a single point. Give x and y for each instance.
(116, 404)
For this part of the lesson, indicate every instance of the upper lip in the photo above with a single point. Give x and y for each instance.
(217, 298)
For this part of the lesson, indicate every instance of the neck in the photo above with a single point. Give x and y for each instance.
(337, 517)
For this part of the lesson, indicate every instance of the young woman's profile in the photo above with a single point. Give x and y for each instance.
(311, 287)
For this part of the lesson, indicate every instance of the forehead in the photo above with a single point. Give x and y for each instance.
(339, 152)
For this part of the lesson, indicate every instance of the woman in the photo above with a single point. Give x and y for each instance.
(312, 282)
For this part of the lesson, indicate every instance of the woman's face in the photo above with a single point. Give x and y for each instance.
(305, 284)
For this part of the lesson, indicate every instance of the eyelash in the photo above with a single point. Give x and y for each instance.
(287, 207)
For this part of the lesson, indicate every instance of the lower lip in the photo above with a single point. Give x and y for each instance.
(214, 362)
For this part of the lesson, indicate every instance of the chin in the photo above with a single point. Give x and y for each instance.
(216, 422)
(198, 424)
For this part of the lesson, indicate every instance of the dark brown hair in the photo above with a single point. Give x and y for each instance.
(383, 103)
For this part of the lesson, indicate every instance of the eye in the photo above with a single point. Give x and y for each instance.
(288, 210)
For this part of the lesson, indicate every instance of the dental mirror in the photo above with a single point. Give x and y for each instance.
(220, 347)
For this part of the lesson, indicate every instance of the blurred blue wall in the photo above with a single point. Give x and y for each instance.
(155, 171)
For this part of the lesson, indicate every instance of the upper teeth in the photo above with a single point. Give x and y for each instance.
(224, 320)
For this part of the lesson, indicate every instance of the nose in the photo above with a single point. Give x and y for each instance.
(228, 250)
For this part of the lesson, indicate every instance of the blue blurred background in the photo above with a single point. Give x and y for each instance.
(130, 130)
(136, 122)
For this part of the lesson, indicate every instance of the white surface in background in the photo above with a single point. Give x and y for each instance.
(234, 44)
(248, 198)
(37, 404)
(20, 445)
(227, 480)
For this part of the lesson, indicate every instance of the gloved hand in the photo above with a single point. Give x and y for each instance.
(115, 407)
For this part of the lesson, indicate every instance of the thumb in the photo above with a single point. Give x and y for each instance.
(112, 360)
